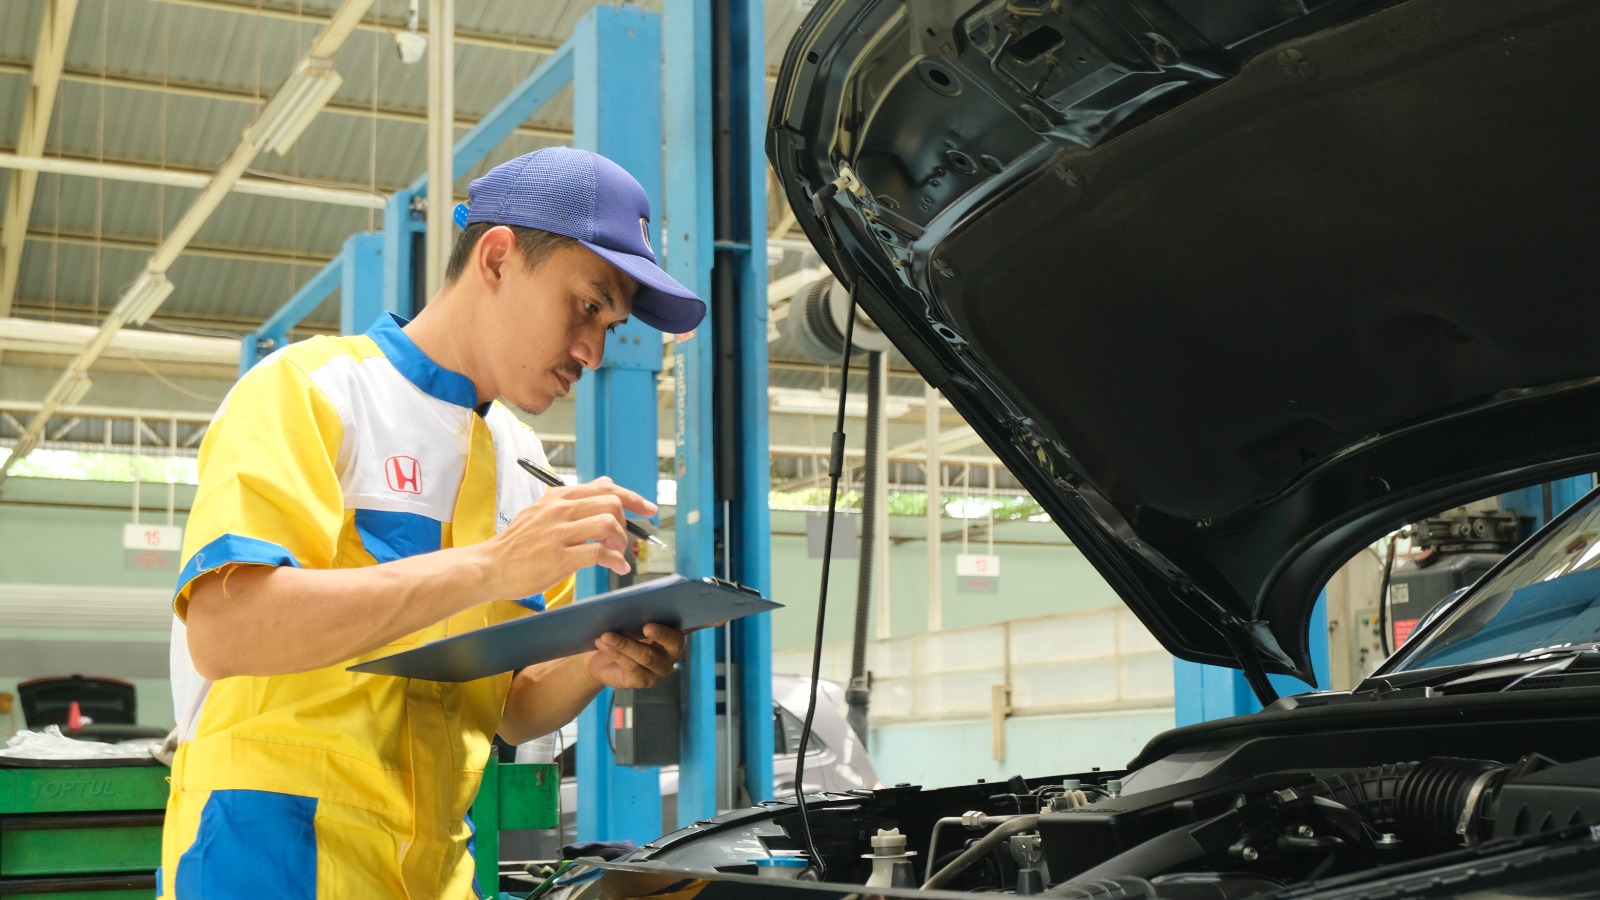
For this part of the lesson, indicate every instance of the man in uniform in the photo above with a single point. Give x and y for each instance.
(359, 496)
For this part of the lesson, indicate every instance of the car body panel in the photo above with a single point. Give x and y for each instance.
(1209, 287)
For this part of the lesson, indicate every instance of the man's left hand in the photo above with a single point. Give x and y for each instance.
(620, 661)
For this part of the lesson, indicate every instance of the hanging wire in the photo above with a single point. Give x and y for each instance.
(100, 155)
(55, 223)
(258, 50)
(166, 66)
(151, 371)
(372, 121)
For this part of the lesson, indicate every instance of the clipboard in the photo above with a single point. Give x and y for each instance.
(680, 602)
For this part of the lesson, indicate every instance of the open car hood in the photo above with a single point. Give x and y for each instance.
(1233, 288)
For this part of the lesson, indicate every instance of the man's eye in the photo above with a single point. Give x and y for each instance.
(613, 327)
(591, 307)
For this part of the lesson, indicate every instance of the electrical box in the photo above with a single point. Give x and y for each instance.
(1365, 647)
(1415, 589)
(644, 723)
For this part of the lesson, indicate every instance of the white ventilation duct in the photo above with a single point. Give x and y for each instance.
(817, 320)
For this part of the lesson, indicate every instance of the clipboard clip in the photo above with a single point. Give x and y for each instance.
(723, 582)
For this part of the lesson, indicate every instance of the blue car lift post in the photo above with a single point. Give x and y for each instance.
(614, 62)
(715, 234)
(616, 80)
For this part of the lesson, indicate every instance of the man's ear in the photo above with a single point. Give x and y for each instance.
(491, 254)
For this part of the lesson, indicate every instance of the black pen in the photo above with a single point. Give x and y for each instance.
(553, 480)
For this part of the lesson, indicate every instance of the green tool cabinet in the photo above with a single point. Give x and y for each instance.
(81, 831)
(93, 832)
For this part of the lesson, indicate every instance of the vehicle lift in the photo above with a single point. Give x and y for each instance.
(690, 80)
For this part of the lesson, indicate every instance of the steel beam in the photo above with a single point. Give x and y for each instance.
(499, 123)
(361, 295)
(230, 94)
(48, 59)
(441, 112)
(36, 336)
(403, 227)
(274, 332)
(236, 252)
(262, 187)
(617, 112)
(385, 27)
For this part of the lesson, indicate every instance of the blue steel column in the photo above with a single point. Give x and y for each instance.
(1202, 693)
(750, 522)
(274, 332)
(692, 254)
(686, 239)
(400, 228)
(617, 113)
(1564, 492)
(361, 284)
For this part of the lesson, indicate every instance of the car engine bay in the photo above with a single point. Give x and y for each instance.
(1208, 814)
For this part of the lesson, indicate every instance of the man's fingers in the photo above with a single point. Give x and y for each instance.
(602, 529)
(598, 554)
(600, 505)
(632, 501)
(669, 639)
(634, 654)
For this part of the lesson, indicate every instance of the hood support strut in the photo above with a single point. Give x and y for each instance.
(1250, 641)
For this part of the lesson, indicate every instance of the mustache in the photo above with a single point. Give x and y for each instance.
(571, 372)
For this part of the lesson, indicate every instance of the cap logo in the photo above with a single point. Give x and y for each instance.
(644, 231)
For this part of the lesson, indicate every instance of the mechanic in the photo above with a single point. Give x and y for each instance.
(359, 496)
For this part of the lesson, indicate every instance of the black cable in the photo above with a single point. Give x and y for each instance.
(1383, 599)
(835, 469)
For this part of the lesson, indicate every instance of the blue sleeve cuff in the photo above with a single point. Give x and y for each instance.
(231, 549)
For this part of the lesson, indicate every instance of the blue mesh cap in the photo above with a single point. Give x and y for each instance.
(596, 202)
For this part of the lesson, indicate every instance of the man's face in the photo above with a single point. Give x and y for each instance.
(550, 323)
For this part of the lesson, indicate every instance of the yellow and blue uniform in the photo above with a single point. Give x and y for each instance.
(340, 453)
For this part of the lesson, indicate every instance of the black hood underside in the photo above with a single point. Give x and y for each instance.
(1233, 290)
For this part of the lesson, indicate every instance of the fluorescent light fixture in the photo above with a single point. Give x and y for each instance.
(146, 295)
(292, 107)
(69, 390)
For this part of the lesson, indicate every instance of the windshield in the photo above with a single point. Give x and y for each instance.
(1548, 595)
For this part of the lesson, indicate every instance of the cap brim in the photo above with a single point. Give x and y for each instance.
(661, 302)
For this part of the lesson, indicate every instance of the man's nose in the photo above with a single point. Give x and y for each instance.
(590, 352)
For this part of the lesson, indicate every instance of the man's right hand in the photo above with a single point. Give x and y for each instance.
(565, 530)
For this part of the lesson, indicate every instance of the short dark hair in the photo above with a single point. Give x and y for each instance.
(536, 246)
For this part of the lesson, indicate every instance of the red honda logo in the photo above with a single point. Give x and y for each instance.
(405, 476)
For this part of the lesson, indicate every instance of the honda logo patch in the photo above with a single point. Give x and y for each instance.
(405, 476)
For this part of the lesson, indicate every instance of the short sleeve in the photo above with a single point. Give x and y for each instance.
(269, 489)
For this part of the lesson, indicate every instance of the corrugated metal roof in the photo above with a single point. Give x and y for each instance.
(74, 275)
(223, 60)
(235, 288)
(21, 27)
(13, 97)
